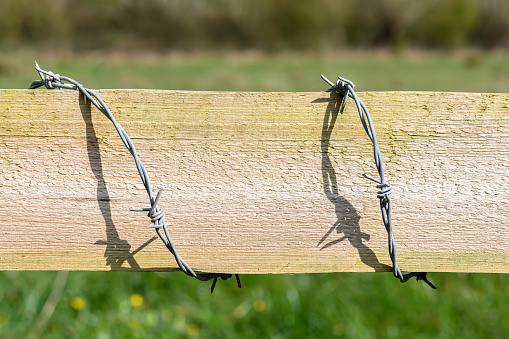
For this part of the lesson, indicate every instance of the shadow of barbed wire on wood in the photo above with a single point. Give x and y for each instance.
(117, 250)
(347, 222)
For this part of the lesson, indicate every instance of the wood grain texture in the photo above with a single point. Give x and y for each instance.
(254, 182)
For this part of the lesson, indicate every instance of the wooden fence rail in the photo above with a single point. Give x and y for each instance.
(254, 182)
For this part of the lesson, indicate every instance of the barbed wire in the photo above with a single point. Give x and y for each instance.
(155, 213)
(346, 88)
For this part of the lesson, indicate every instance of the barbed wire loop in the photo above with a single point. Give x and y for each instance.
(156, 214)
(346, 88)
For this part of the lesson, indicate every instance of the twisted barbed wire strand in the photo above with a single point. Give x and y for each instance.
(155, 213)
(346, 88)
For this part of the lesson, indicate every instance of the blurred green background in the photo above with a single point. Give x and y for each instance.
(262, 24)
(456, 45)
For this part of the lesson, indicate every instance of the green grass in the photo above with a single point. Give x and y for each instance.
(460, 72)
(349, 305)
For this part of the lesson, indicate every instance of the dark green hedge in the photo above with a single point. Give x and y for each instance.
(257, 24)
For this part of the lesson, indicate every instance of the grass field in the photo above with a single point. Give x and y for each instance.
(370, 71)
(172, 305)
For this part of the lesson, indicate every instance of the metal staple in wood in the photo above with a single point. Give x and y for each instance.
(155, 213)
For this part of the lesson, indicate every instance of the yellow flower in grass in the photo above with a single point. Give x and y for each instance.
(136, 300)
(78, 303)
(259, 305)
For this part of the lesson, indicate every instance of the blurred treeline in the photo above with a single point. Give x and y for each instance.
(254, 24)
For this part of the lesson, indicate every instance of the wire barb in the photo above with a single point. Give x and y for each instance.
(419, 276)
(346, 88)
(156, 214)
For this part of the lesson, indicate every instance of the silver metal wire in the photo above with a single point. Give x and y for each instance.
(346, 88)
(155, 213)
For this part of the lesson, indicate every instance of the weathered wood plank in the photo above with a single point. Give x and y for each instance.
(254, 182)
